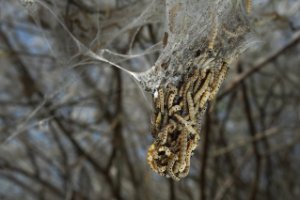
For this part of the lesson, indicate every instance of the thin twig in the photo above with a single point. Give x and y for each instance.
(242, 143)
(261, 63)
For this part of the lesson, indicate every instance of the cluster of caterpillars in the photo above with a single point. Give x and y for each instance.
(179, 108)
(177, 117)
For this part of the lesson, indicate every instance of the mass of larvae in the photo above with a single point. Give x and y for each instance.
(178, 111)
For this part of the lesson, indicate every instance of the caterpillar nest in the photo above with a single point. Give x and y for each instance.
(176, 120)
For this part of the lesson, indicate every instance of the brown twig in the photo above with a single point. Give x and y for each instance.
(261, 63)
(268, 133)
(252, 131)
(204, 157)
